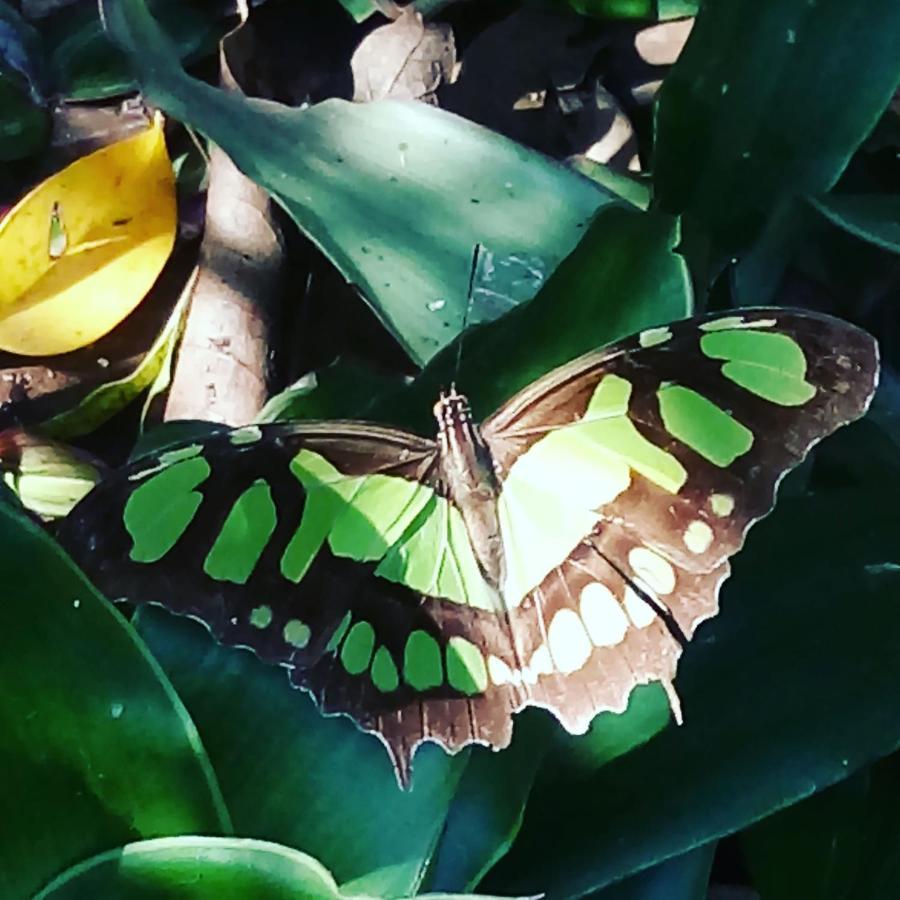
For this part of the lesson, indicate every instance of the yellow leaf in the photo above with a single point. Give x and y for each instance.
(80, 251)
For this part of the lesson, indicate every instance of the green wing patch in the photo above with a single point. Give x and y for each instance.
(419, 536)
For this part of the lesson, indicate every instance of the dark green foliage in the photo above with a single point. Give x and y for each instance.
(769, 186)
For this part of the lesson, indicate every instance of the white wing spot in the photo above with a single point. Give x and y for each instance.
(722, 324)
(728, 322)
(698, 536)
(721, 504)
(249, 434)
(639, 611)
(570, 645)
(541, 663)
(499, 671)
(603, 616)
(655, 336)
(653, 569)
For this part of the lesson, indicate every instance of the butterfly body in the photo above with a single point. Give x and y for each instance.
(470, 480)
(558, 554)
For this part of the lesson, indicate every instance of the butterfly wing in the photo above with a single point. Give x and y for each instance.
(631, 475)
(325, 548)
(628, 478)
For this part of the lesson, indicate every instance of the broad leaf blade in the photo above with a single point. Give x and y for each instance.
(95, 740)
(388, 190)
(767, 101)
(197, 868)
(841, 843)
(206, 868)
(684, 877)
(874, 218)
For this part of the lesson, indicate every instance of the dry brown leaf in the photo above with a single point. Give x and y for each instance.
(405, 59)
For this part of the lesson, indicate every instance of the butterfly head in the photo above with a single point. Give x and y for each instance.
(452, 410)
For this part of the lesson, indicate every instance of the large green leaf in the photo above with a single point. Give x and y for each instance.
(787, 691)
(842, 843)
(635, 9)
(204, 868)
(770, 100)
(294, 776)
(874, 218)
(684, 877)
(96, 748)
(196, 868)
(622, 277)
(489, 804)
(395, 194)
(86, 66)
(24, 120)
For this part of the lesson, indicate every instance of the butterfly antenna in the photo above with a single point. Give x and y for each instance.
(470, 301)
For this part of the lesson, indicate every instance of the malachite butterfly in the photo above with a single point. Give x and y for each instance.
(557, 555)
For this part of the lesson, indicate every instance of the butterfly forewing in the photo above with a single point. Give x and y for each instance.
(626, 480)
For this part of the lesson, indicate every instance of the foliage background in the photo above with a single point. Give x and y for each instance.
(139, 759)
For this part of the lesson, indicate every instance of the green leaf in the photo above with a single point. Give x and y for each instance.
(622, 277)
(332, 393)
(684, 877)
(24, 120)
(768, 101)
(843, 842)
(87, 66)
(612, 734)
(205, 868)
(292, 775)
(874, 218)
(395, 194)
(777, 700)
(197, 868)
(635, 9)
(359, 9)
(96, 747)
(487, 810)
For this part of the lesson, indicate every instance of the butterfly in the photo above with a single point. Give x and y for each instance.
(556, 555)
